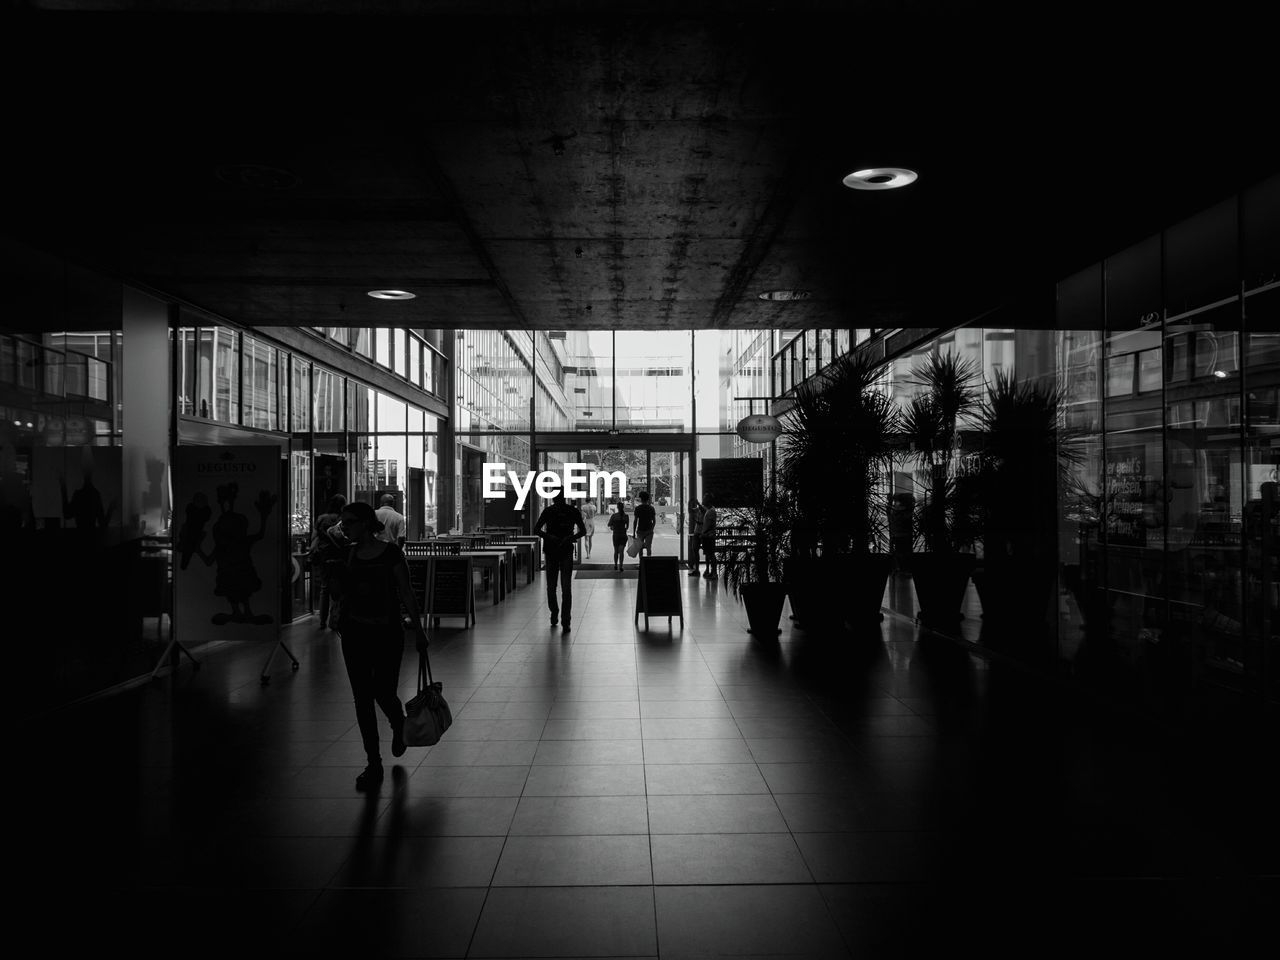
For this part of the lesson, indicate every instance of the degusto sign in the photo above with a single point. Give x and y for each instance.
(577, 481)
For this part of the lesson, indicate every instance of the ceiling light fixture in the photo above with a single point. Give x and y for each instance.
(1220, 374)
(880, 178)
(392, 294)
(785, 295)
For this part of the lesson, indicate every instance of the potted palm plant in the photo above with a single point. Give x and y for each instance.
(836, 453)
(751, 565)
(947, 495)
(1024, 462)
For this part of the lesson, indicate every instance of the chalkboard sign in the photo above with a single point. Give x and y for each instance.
(449, 592)
(733, 482)
(658, 591)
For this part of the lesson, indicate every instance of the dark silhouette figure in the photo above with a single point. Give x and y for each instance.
(237, 578)
(328, 543)
(709, 520)
(372, 585)
(618, 523)
(646, 523)
(85, 506)
(198, 514)
(695, 536)
(560, 526)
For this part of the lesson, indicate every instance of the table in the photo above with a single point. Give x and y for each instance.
(497, 560)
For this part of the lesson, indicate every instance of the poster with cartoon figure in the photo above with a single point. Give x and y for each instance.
(227, 542)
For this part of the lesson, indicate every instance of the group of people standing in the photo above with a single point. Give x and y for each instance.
(702, 535)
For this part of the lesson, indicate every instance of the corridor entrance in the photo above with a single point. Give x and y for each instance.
(658, 465)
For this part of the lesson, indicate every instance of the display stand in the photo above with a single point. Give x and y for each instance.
(266, 667)
(172, 650)
(449, 590)
(658, 590)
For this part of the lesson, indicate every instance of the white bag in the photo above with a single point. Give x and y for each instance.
(633, 546)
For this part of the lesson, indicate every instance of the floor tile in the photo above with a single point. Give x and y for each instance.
(869, 857)
(706, 921)
(697, 751)
(390, 923)
(391, 861)
(728, 858)
(589, 751)
(567, 922)
(447, 817)
(585, 780)
(592, 729)
(715, 813)
(578, 816)
(697, 728)
(475, 781)
(694, 778)
(558, 861)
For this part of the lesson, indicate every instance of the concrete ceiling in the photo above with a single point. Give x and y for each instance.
(628, 165)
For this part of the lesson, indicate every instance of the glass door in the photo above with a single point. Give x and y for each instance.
(661, 472)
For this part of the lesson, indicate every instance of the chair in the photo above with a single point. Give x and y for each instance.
(498, 539)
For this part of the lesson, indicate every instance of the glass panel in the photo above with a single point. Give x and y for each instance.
(329, 404)
(415, 361)
(186, 347)
(1261, 494)
(1204, 492)
(300, 403)
(382, 346)
(260, 388)
(226, 373)
(361, 342)
(399, 352)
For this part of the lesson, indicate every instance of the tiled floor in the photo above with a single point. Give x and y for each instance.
(617, 793)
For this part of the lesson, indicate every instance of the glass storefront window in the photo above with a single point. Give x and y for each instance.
(186, 346)
(330, 405)
(382, 347)
(226, 373)
(261, 370)
(399, 352)
(361, 342)
(300, 402)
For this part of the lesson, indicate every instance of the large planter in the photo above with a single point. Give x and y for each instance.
(803, 587)
(940, 580)
(1015, 595)
(860, 587)
(832, 592)
(764, 607)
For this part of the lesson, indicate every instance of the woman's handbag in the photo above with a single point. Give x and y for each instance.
(427, 716)
(633, 546)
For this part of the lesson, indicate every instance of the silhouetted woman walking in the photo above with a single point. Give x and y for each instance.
(618, 523)
(373, 583)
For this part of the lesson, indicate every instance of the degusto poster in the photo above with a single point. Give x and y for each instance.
(227, 548)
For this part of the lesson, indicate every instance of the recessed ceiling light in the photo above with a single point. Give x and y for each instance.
(1220, 374)
(880, 178)
(392, 294)
(785, 295)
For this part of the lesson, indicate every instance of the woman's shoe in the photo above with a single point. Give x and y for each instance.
(371, 777)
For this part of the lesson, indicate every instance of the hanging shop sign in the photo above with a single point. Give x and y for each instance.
(759, 428)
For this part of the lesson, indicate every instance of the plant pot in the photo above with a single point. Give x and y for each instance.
(859, 587)
(801, 579)
(764, 607)
(1015, 595)
(940, 580)
(830, 592)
